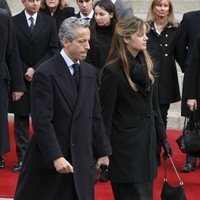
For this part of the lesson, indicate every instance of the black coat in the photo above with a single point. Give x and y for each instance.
(66, 123)
(188, 31)
(162, 50)
(10, 65)
(192, 77)
(34, 48)
(60, 14)
(133, 124)
(100, 44)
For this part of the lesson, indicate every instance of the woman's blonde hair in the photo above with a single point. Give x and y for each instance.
(151, 15)
(124, 29)
(62, 4)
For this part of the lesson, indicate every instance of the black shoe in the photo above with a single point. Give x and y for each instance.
(2, 164)
(17, 167)
(188, 168)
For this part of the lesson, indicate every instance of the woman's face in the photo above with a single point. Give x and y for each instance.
(137, 42)
(52, 3)
(161, 9)
(102, 17)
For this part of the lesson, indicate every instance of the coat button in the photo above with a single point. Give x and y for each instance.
(72, 144)
(166, 54)
(166, 45)
(166, 35)
(161, 45)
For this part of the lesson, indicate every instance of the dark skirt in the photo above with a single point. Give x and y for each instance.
(131, 191)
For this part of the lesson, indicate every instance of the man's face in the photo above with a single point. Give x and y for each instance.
(31, 6)
(78, 48)
(85, 6)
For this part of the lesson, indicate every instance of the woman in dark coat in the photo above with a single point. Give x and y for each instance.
(57, 9)
(161, 46)
(131, 113)
(102, 31)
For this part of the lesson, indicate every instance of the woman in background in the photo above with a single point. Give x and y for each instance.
(57, 9)
(131, 112)
(102, 30)
(161, 46)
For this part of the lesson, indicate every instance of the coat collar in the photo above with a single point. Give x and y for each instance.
(23, 25)
(67, 85)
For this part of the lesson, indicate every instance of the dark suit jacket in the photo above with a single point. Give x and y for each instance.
(34, 48)
(10, 65)
(60, 15)
(192, 77)
(66, 123)
(133, 124)
(189, 29)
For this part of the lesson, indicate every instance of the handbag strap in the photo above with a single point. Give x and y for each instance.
(175, 170)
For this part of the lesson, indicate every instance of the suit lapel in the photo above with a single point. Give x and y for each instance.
(65, 82)
(39, 25)
(84, 87)
(23, 25)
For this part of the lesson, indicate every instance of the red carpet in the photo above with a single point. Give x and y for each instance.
(103, 191)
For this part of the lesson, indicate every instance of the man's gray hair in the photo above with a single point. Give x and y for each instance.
(69, 26)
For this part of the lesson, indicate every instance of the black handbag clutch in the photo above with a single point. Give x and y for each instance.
(170, 192)
(189, 141)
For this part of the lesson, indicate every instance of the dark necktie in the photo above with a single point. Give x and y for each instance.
(32, 23)
(76, 73)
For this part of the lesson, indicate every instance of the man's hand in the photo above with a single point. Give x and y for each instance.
(192, 104)
(63, 166)
(102, 161)
(17, 95)
(29, 74)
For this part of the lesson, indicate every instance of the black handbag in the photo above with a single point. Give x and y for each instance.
(189, 141)
(170, 192)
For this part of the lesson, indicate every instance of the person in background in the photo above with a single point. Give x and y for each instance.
(10, 68)
(4, 5)
(102, 32)
(57, 9)
(67, 122)
(85, 9)
(188, 31)
(123, 9)
(130, 108)
(37, 41)
(161, 47)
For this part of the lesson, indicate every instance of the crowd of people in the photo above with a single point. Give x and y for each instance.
(97, 86)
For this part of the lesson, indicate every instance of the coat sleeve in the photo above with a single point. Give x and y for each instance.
(108, 96)
(182, 43)
(13, 59)
(101, 142)
(42, 116)
(159, 125)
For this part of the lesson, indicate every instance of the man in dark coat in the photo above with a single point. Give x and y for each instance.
(189, 29)
(10, 65)
(37, 41)
(85, 9)
(67, 122)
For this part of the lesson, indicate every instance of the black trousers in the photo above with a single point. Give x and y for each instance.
(132, 191)
(21, 131)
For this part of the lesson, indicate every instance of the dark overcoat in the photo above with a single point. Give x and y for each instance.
(133, 124)
(10, 64)
(162, 50)
(192, 77)
(60, 14)
(66, 123)
(34, 48)
(188, 31)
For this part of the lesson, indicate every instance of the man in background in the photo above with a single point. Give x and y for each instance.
(37, 40)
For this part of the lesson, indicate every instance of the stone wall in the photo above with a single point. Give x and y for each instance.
(140, 8)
